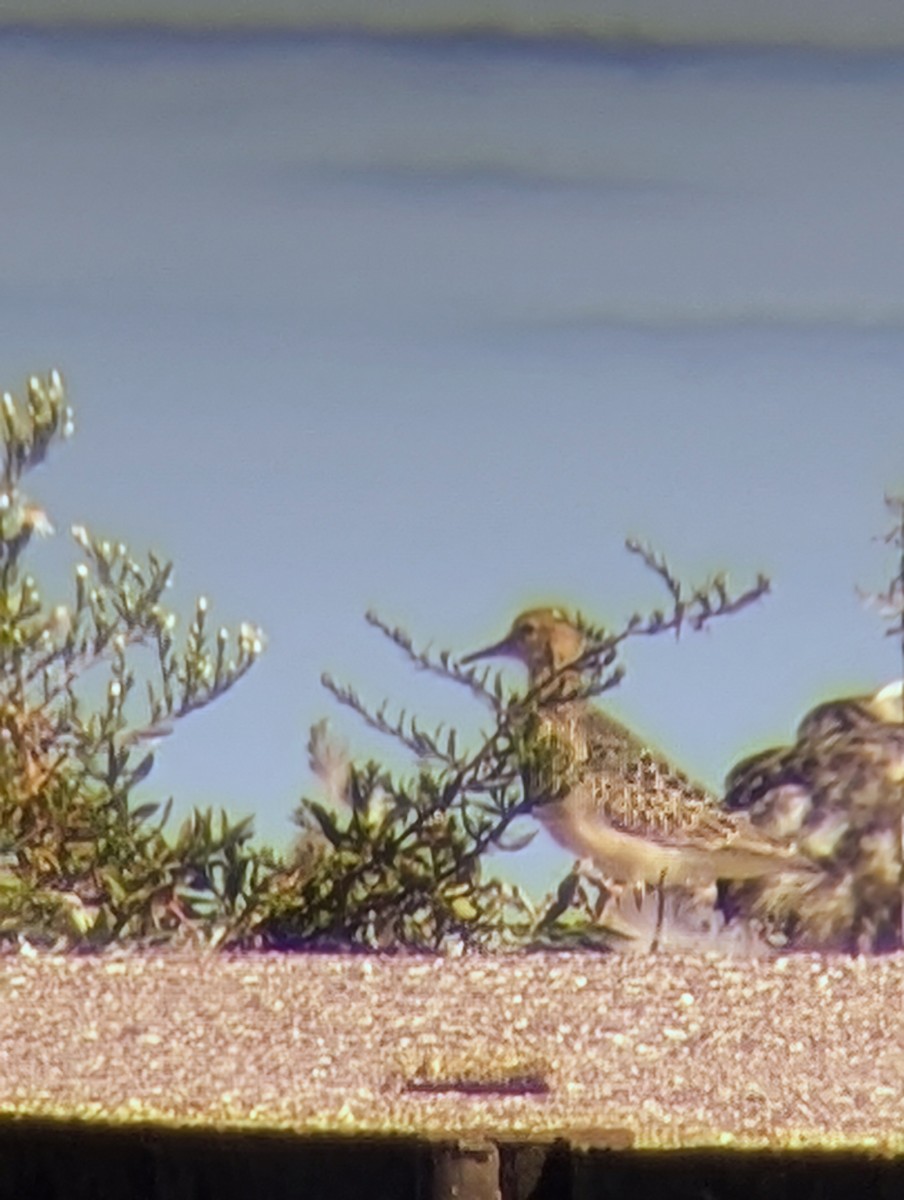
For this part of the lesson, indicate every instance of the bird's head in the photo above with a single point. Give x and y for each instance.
(544, 639)
(888, 703)
(864, 715)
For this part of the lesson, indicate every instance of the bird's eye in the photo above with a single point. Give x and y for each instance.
(528, 628)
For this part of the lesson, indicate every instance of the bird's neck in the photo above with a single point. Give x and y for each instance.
(555, 685)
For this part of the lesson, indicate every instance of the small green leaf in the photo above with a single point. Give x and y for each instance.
(327, 822)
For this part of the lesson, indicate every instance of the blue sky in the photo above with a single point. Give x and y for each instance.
(432, 327)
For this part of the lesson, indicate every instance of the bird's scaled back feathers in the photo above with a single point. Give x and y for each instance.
(838, 795)
(622, 803)
(605, 794)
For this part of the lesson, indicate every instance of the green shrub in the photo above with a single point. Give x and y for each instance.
(79, 862)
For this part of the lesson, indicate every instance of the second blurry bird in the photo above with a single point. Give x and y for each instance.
(837, 794)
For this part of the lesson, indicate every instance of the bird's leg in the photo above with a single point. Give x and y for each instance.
(585, 868)
(588, 870)
(660, 913)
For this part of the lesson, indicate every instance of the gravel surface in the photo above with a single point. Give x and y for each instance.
(655, 1052)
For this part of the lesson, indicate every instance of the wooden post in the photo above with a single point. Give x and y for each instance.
(466, 1171)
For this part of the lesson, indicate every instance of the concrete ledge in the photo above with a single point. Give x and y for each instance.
(651, 1053)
